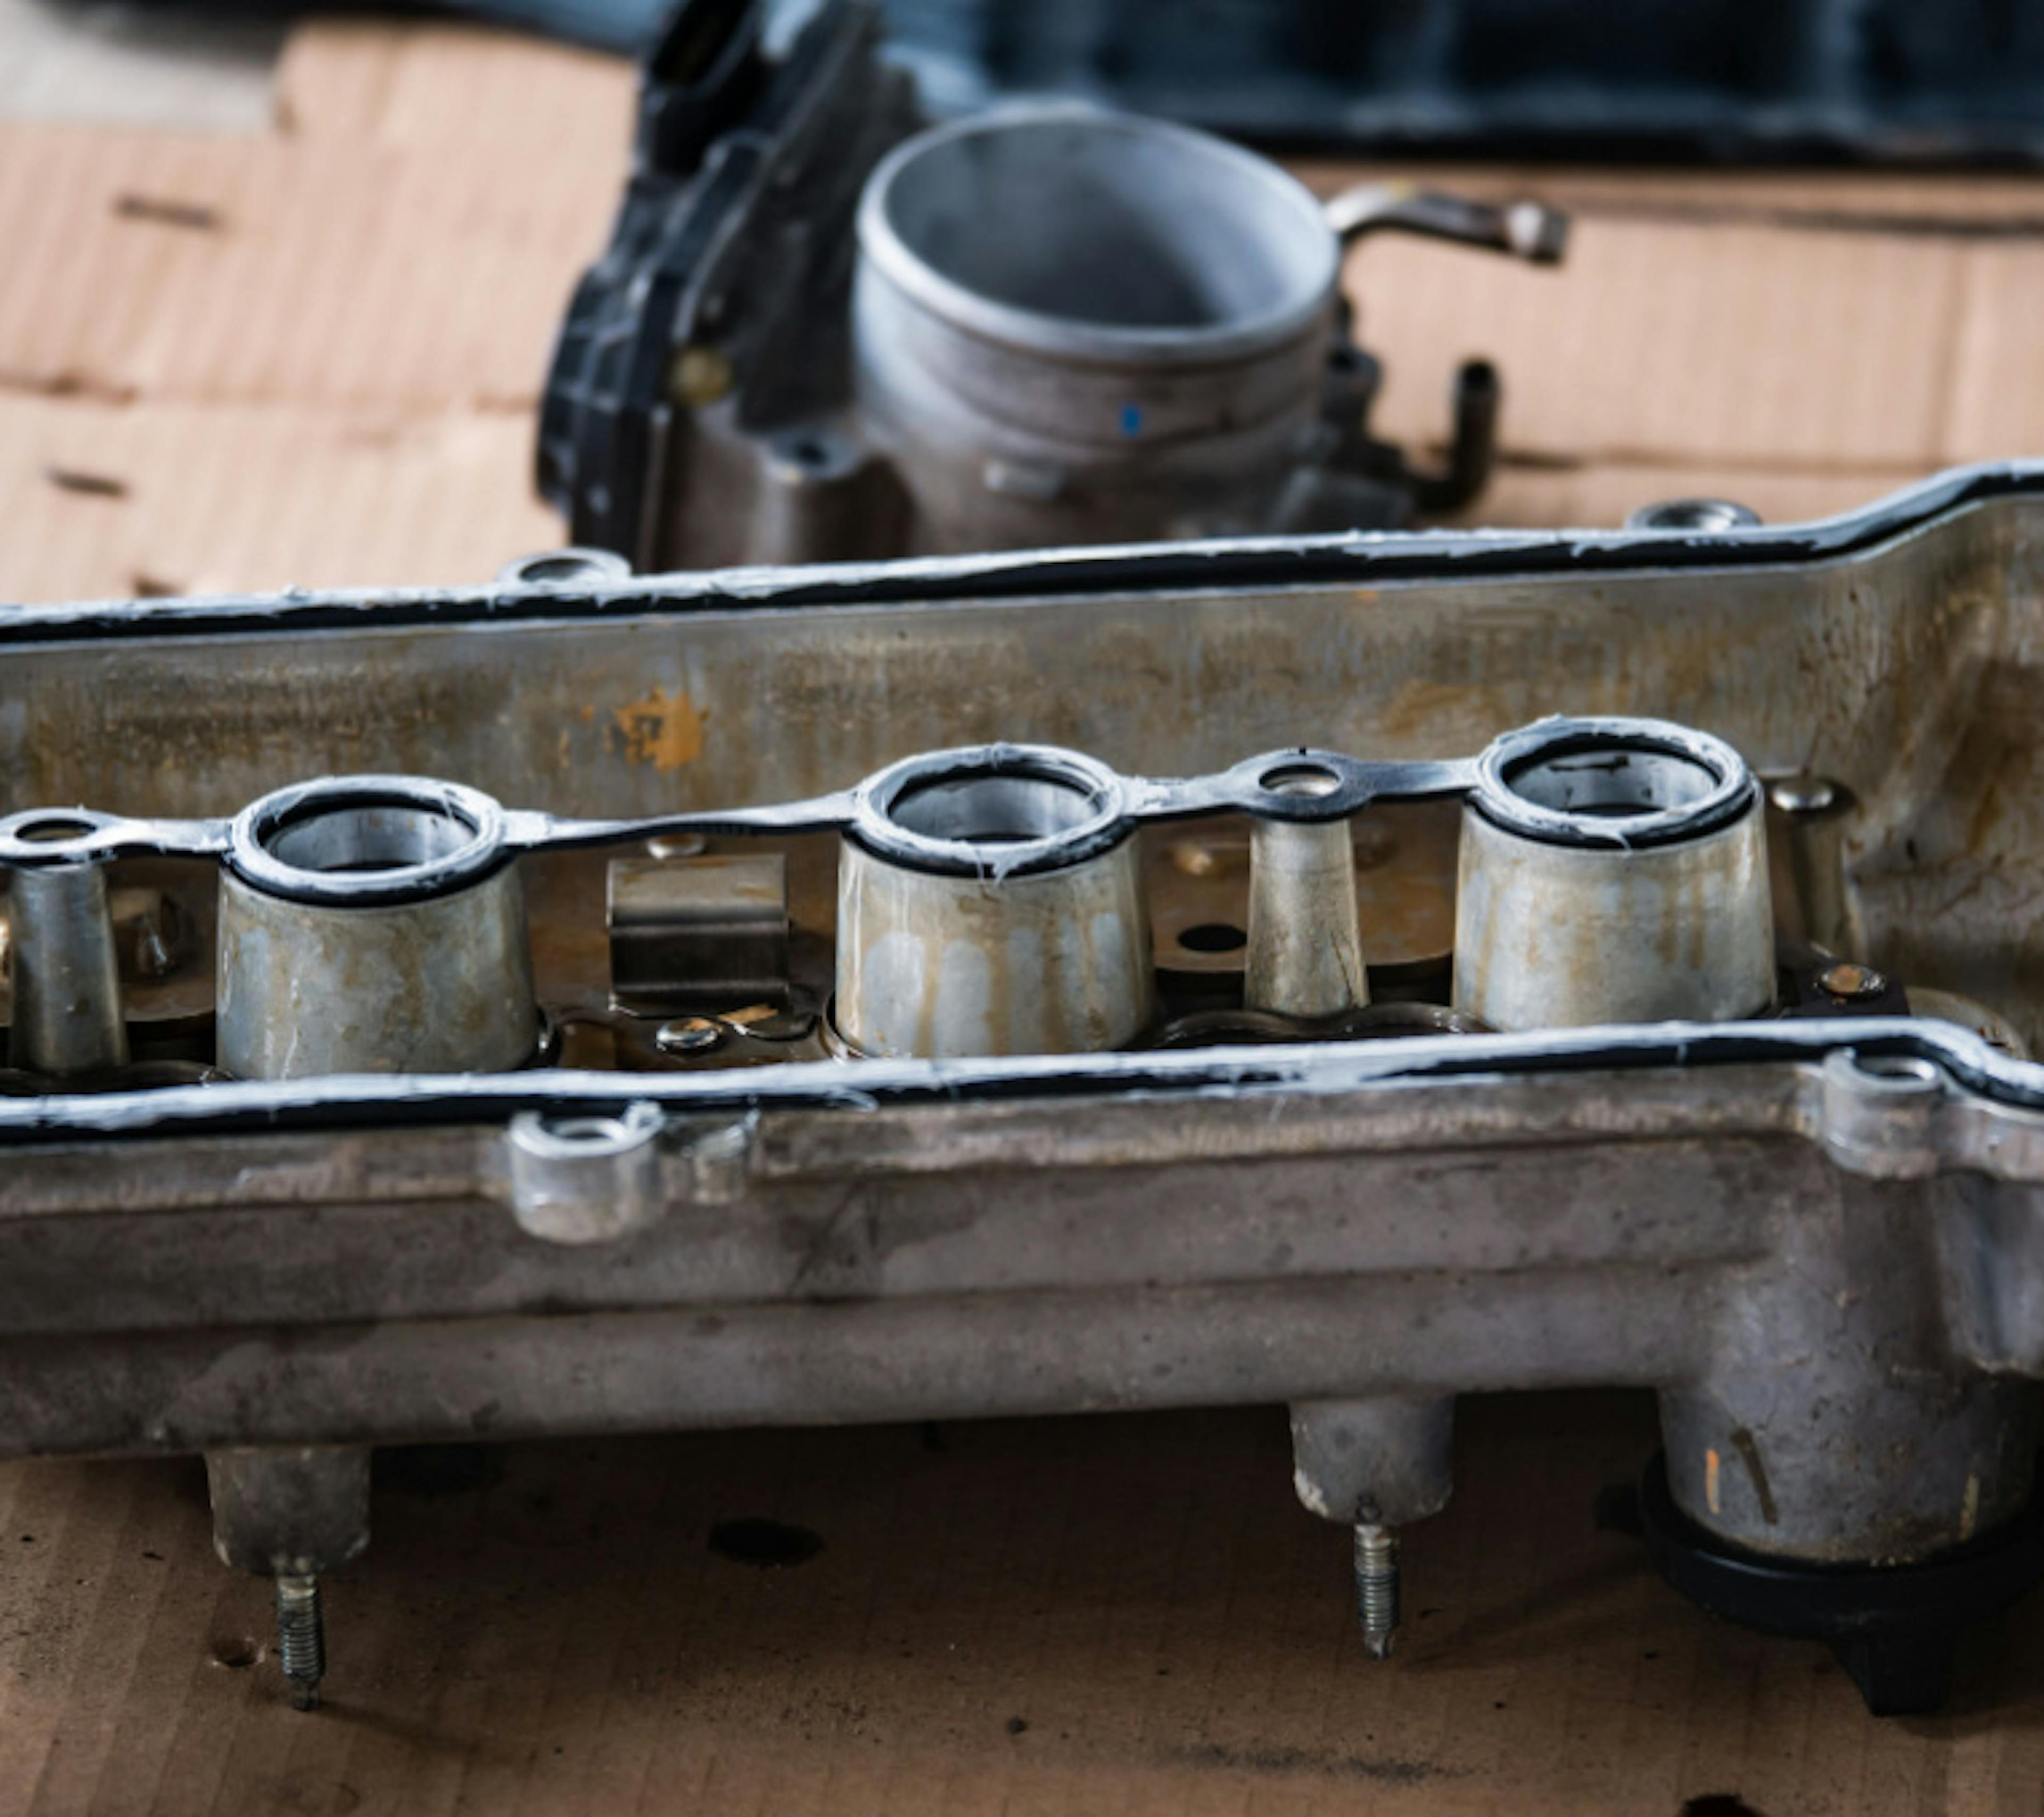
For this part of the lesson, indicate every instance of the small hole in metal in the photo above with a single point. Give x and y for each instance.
(1703, 514)
(1904, 1068)
(1213, 937)
(542, 568)
(1308, 779)
(590, 1131)
(53, 831)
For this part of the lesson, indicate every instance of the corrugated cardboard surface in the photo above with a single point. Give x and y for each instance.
(226, 325)
(1118, 1615)
(310, 355)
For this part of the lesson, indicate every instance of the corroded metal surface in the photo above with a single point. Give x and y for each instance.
(1551, 936)
(1822, 1239)
(942, 966)
(1890, 654)
(443, 986)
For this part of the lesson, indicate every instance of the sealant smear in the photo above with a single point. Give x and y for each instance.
(357, 1099)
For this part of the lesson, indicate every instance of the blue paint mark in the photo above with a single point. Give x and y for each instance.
(1131, 419)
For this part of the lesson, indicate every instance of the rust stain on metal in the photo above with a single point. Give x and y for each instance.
(1421, 705)
(1743, 1443)
(663, 729)
(1710, 1481)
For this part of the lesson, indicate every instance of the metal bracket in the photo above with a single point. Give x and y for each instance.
(589, 1178)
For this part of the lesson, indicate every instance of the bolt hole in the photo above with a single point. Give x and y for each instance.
(586, 1131)
(1703, 514)
(1306, 779)
(1905, 1069)
(558, 567)
(53, 830)
(584, 1135)
(1213, 937)
(816, 453)
(236, 1652)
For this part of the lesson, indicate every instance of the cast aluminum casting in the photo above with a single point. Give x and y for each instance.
(819, 333)
(1818, 1232)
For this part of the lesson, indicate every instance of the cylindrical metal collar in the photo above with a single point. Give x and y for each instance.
(1024, 175)
(1613, 783)
(366, 841)
(991, 811)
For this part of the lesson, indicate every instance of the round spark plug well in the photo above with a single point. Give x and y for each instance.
(1623, 783)
(1612, 870)
(372, 924)
(990, 902)
(352, 841)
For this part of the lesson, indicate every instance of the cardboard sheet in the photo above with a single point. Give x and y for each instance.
(1106, 1616)
(389, 262)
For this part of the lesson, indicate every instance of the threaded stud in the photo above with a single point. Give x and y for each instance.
(1377, 1586)
(301, 1638)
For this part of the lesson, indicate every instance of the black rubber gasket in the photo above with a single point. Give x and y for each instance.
(1893, 1627)
(1238, 563)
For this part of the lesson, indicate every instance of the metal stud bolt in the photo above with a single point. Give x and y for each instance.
(301, 1638)
(1376, 1582)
